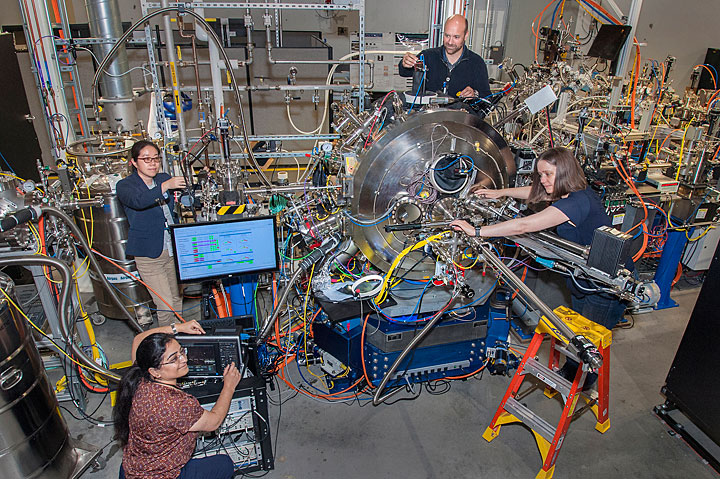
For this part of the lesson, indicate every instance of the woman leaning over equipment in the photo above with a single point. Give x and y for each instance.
(156, 423)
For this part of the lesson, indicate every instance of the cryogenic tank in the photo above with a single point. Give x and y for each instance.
(107, 231)
(414, 173)
(34, 439)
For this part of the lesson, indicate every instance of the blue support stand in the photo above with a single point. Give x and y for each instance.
(667, 269)
(242, 290)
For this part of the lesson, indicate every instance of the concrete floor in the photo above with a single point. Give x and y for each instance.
(438, 436)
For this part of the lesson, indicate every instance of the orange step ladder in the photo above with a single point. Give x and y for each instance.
(549, 439)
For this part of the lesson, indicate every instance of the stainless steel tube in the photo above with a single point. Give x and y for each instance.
(530, 296)
(170, 51)
(64, 306)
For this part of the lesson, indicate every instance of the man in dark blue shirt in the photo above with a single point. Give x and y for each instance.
(451, 69)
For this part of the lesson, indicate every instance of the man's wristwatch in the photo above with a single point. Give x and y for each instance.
(477, 231)
(174, 328)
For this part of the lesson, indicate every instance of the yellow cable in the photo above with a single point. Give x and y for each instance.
(588, 12)
(477, 257)
(307, 297)
(682, 147)
(701, 235)
(61, 384)
(12, 176)
(44, 334)
(383, 291)
(36, 234)
(88, 325)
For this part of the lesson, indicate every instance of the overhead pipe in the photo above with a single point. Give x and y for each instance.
(268, 46)
(105, 22)
(174, 80)
(211, 33)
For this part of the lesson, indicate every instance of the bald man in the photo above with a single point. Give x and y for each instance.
(451, 69)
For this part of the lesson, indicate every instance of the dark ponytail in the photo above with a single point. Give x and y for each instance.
(148, 355)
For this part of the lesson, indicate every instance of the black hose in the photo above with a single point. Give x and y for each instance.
(18, 217)
(317, 255)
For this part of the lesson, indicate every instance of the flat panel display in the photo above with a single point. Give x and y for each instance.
(223, 249)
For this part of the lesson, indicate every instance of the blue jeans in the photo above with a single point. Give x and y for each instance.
(219, 466)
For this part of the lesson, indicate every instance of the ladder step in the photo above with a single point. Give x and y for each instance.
(532, 420)
(548, 377)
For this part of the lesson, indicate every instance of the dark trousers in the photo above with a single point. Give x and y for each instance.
(598, 309)
(219, 466)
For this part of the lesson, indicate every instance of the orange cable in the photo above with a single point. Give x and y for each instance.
(362, 352)
(539, 19)
(710, 72)
(137, 278)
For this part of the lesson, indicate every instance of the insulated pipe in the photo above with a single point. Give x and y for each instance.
(93, 262)
(64, 305)
(580, 250)
(174, 80)
(105, 22)
(283, 297)
(377, 399)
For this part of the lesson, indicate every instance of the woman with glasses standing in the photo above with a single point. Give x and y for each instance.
(148, 203)
(156, 423)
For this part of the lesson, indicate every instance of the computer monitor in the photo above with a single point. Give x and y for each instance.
(223, 249)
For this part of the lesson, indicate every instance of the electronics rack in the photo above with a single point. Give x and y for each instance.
(244, 435)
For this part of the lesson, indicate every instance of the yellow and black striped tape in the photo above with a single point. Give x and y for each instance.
(231, 210)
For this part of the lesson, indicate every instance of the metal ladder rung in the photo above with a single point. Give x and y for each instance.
(532, 420)
(548, 377)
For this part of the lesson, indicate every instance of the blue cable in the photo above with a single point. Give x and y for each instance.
(501, 92)
(599, 13)
(8, 164)
(717, 80)
(422, 80)
(552, 21)
(476, 300)
(366, 225)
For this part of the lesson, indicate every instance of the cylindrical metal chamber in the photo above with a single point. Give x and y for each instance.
(416, 171)
(105, 22)
(106, 228)
(34, 439)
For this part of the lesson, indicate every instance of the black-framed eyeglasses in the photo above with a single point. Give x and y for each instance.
(149, 159)
(175, 357)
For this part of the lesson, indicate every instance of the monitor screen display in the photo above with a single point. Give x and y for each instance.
(223, 249)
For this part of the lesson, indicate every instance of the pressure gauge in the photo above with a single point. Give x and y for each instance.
(326, 147)
(28, 186)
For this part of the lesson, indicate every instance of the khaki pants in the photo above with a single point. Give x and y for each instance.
(159, 274)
